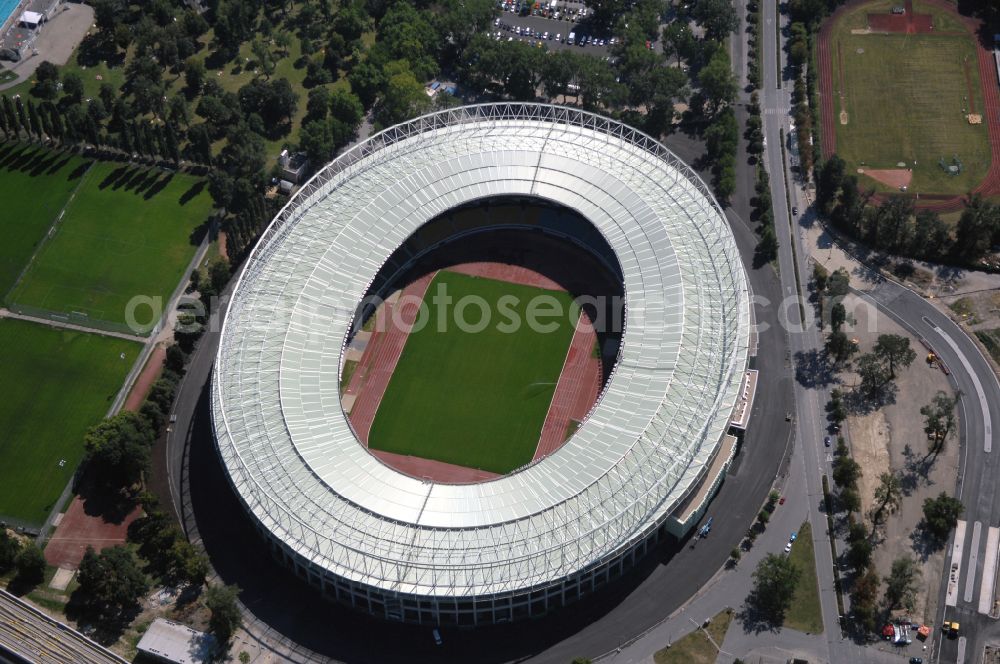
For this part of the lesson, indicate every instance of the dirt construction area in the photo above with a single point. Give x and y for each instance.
(892, 438)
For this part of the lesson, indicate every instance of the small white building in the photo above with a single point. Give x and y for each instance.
(168, 641)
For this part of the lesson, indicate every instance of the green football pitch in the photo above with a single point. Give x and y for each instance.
(906, 98)
(475, 398)
(34, 186)
(56, 384)
(127, 233)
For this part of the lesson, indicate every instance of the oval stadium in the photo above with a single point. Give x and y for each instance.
(483, 477)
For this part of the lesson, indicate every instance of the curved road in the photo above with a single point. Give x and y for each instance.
(971, 373)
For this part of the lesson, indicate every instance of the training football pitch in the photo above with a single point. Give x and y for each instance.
(475, 398)
(34, 185)
(56, 384)
(905, 99)
(128, 232)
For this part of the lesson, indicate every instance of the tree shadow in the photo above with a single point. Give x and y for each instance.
(814, 369)
(78, 172)
(195, 189)
(755, 621)
(158, 185)
(105, 629)
(99, 500)
(861, 402)
(113, 177)
(924, 543)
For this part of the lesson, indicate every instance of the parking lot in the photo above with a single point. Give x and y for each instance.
(550, 27)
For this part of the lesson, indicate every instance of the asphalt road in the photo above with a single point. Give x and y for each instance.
(970, 373)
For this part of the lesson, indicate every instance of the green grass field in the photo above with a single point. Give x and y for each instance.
(696, 647)
(56, 384)
(474, 399)
(127, 232)
(904, 96)
(34, 185)
(805, 613)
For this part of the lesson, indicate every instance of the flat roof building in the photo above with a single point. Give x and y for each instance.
(169, 641)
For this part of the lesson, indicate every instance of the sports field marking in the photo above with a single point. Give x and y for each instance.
(56, 384)
(474, 399)
(128, 232)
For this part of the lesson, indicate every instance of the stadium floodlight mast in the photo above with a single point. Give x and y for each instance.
(645, 462)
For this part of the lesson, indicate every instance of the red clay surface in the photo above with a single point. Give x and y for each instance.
(576, 390)
(439, 471)
(907, 22)
(504, 272)
(371, 377)
(146, 378)
(990, 186)
(78, 530)
(894, 177)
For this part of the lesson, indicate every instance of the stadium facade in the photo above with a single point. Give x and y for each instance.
(646, 461)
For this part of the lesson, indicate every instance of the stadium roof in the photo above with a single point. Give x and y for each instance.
(288, 446)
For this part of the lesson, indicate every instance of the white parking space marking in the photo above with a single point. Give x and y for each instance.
(986, 592)
(951, 597)
(970, 574)
(960, 657)
(984, 406)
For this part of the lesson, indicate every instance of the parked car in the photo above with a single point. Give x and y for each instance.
(828, 440)
(795, 211)
(788, 548)
(437, 636)
(794, 536)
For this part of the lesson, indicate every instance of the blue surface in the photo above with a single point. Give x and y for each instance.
(7, 8)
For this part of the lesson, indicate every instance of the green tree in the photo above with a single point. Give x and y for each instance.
(850, 499)
(404, 96)
(194, 76)
(30, 566)
(864, 599)
(110, 582)
(939, 420)
(902, 583)
(226, 616)
(888, 495)
(874, 372)
(774, 584)
(977, 229)
(718, 17)
(9, 548)
(838, 284)
(846, 471)
(941, 514)
(718, 83)
(118, 448)
(839, 347)
(73, 86)
(895, 351)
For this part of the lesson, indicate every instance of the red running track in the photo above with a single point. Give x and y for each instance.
(576, 390)
(990, 186)
(514, 274)
(371, 378)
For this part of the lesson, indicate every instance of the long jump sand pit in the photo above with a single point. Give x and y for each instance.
(893, 177)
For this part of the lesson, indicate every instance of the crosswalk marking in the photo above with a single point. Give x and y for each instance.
(986, 592)
(951, 597)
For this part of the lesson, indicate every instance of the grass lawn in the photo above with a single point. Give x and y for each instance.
(904, 96)
(696, 648)
(805, 614)
(474, 399)
(56, 384)
(128, 232)
(34, 185)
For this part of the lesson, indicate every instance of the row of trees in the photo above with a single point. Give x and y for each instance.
(25, 559)
(896, 226)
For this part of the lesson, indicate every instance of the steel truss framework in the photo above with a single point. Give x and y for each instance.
(516, 545)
